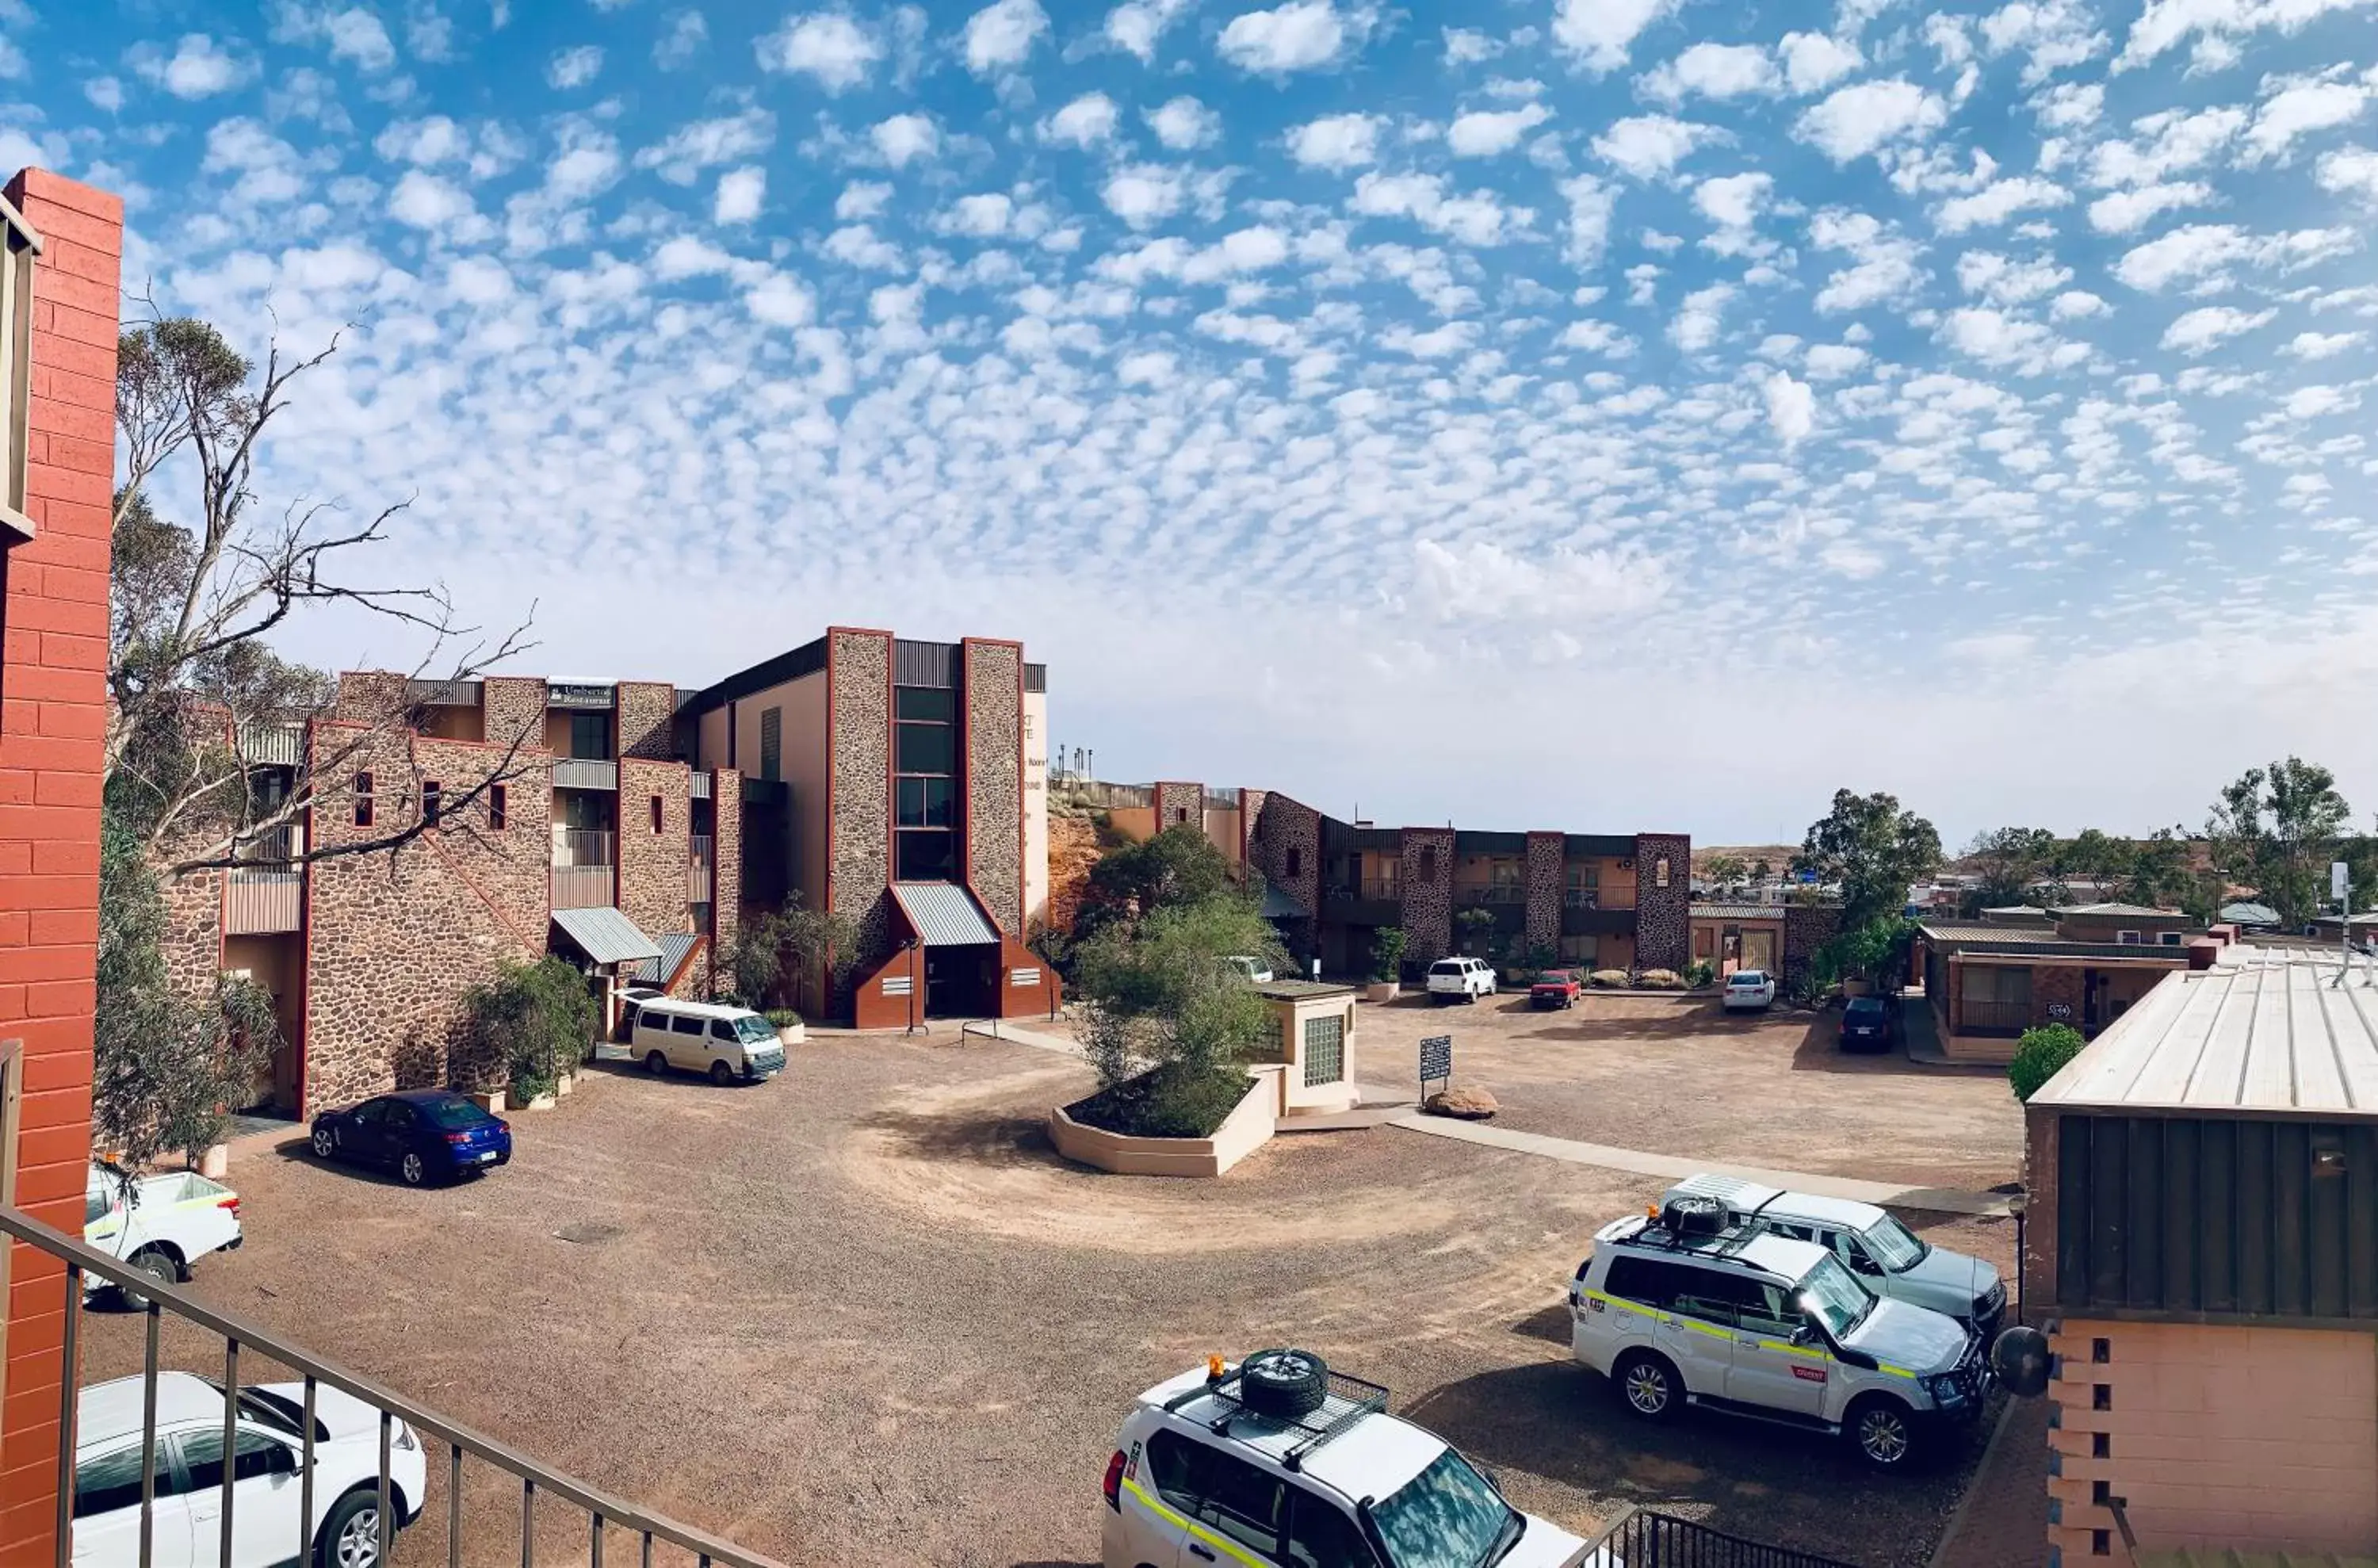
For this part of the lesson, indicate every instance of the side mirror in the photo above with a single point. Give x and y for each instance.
(1805, 1335)
(1866, 1265)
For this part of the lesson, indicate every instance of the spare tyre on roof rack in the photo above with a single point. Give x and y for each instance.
(1283, 1384)
(1692, 1214)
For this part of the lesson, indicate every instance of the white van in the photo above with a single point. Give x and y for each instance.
(729, 1044)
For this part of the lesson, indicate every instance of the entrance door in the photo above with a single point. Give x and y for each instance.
(1759, 950)
(961, 980)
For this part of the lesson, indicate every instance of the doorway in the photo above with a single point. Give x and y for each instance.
(1759, 950)
(960, 979)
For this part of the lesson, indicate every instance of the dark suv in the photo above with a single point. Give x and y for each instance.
(1867, 1024)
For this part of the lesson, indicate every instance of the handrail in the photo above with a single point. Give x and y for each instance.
(81, 1259)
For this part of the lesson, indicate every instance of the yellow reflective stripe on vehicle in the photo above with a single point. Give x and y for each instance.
(1894, 1371)
(1194, 1528)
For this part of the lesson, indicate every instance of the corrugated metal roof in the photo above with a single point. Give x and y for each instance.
(1964, 936)
(675, 945)
(1738, 911)
(606, 935)
(2141, 911)
(2258, 1035)
(2233, 1557)
(943, 914)
(2250, 914)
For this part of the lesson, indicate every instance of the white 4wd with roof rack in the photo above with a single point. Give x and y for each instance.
(1281, 1463)
(1460, 979)
(1682, 1308)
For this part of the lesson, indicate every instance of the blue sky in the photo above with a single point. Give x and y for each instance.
(1594, 414)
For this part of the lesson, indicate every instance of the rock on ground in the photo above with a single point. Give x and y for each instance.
(1469, 1103)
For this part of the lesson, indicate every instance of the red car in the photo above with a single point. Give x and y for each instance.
(1555, 988)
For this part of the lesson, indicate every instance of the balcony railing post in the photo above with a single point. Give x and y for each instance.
(454, 1509)
(70, 1395)
(387, 1511)
(528, 1524)
(305, 1480)
(230, 1442)
(149, 1440)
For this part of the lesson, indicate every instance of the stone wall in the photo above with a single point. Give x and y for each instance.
(398, 936)
(653, 865)
(1428, 900)
(192, 946)
(646, 712)
(1177, 802)
(509, 707)
(859, 833)
(1807, 927)
(369, 696)
(1547, 867)
(1285, 845)
(993, 737)
(727, 877)
(1663, 916)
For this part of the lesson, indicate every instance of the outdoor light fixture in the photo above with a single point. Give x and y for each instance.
(2328, 1156)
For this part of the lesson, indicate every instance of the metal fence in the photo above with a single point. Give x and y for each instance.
(259, 902)
(1640, 1539)
(1598, 897)
(1977, 1016)
(584, 773)
(537, 1491)
(272, 745)
(581, 847)
(1490, 893)
(1387, 888)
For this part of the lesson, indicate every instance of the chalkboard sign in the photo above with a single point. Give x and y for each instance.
(1435, 1061)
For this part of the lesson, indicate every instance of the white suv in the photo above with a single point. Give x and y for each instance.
(1459, 980)
(1685, 1309)
(1281, 1463)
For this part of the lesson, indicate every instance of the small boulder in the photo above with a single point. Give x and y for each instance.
(1469, 1103)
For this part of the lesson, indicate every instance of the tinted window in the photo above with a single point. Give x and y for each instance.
(1866, 1005)
(1647, 1280)
(1172, 1464)
(113, 1480)
(721, 1029)
(454, 1115)
(371, 1112)
(1240, 1501)
(401, 1116)
(926, 702)
(1321, 1535)
(95, 1206)
(1448, 967)
(259, 1456)
(685, 1026)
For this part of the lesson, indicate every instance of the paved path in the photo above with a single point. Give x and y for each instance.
(2002, 1520)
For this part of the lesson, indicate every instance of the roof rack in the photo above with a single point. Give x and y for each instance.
(1718, 1244)
(1346, 1402)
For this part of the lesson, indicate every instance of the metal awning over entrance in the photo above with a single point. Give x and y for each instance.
(606, 935)
(674, 945)
(1277, 905)
(943, 914)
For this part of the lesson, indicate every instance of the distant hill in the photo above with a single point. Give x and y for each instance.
(1776, 855)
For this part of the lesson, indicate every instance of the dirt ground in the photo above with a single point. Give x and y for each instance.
(863, 1314)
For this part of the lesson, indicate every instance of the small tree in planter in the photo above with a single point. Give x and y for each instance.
(1473, 932)
(535, 1019)
(1387, 947)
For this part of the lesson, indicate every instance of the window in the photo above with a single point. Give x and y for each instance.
(96, 1206)
(1240, 1501)
(2127, 938)
(685, 1026)
(926, 803)
(924, 757)
(400, 1116)
(1296, 860)
(373, 1113)
(433, 803)
(1766, 1309)
(1428, 863)
(1647, 1281)
(590, 737)
(1321, 1535)
(254, 1456)
(1580, 949)
(656, 814)
(363, 799)
(1324, 1050)
(721, 1029)
(1660, 871)
(498, 803)
(2170, 939)
(1173, 1465)
(771, 743)
(112, 1481)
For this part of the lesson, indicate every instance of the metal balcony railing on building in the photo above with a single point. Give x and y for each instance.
(1386, 887)
(540, 1508)
(1490, 893)
(444, 693)
(697, 785)
(266, 894)
(1098, 792)
(578, 694)
(699, 861)
(584, 869)
(1219, 799)
(1598, 897)
(582, 773)
(272, 745)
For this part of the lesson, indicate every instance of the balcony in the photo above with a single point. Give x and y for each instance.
(584, 869)
(267, 894)
(444, 693)
(1598, 897)
(420, 1463)
(584, 773)
(1489, 893)
(697, 878)
(272, 745)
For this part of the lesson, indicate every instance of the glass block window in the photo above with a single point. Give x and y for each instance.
(1324, 1050)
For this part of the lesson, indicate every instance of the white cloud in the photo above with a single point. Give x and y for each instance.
(2198, 331)
(1791, 407)
(1599, 32)
(104, 94)
(982, 216)
(1999, 200)
(357, 35)
(1480, 579)
(2311, 402)
(740, 192)
(1590, 202)
(1884, 264)
(1475, 218)
(680, 41)
(862, 199)
(705, 144)
(1649, 146)
(2322, 346)
(1184, 124)
(686, 256)
(1732, 202)
(1135, 27)
(1467, 46)
(1085, 122)
(2203, 252)
(2124, 212)
(197, 68)
(2165, 23)
(1697, 319)
(1486, 132)
(1831, 361)
(2300, 110)
(1000, 37)
(2004, 281)
(906, 138)
(423, 200)
(1144, 194)
(1594, 336)
(1335, 141)
(2007, 342)
(826, 47)
(2351, 170)
(1713, 71)
(574, 68)
(1857, 120)
(1300, 35)
(2071, 105)
(2052, 34)
(1813, 61)
(2076, 303)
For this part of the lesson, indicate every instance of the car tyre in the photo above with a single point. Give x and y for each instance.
(1646, 1385)
(1283, 1384)
(656, 1062)
(413, 1168)
(326, 1143)
(158, 1265)
(350, 1537)
(1883, 1431)
(721, 1074)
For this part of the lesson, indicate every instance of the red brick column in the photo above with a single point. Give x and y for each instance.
(53, 720)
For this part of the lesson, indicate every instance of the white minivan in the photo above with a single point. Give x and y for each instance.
(732, 1044)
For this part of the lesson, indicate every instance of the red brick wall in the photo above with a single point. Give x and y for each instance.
(52, 717)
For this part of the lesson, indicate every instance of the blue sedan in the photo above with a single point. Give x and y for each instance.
(422, 1134)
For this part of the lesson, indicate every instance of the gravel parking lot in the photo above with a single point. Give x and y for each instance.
(863, 1315)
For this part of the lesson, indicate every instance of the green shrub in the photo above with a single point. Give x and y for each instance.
(781, 1017)
(1387, 947)
(1700, 974)
(2040, 1054)
(1660, 979)
(1607, 977)
(1177, 1100)
(537, 1020)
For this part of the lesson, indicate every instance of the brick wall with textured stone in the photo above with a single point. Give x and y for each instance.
(653, 865)
(192, 944)
(726, 875)
(995, 780)
(646, 714)
(1807, 927)
(369, 696)
(398, 936)
(512, 705)
(1546, 870)
(1427, 893)
(1177, 802)
(1251, 809)
(1663, 916)
(858, 834)
(1285, 845)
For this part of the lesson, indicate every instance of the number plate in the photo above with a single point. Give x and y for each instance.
(485, 1156)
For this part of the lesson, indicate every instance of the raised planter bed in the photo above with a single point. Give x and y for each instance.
(1247, 1127)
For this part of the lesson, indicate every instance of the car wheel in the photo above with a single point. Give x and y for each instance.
(326, 1143)
(1884, 1431)
(350, 1537)
(1283, 1384)
(656, 1063)
(1646, 1385)
(721, 1074)
(157, 1265)
(413, 1168)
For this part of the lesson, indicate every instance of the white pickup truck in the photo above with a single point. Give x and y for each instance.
(161, 1224)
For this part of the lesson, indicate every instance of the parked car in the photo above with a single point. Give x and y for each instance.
(1459, 980)
(1867, 1024)
(732, 1044)
(1258, 971)
(422, 1134)
(160, 1224)
(1685, 1309)
(267, 1488)
(1889, 1258)
(1555, 988)
(1281, 1463)
(1749, 989)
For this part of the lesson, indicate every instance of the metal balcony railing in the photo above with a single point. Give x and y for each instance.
(262, 903)
(584, 773)
(1387, 888)
(1490, 893)
(272, 745)
(701, 849)
(698, 882)
(1598, 897)
(579, 847)
(604, 1520)
(445, 693)
(579, 886)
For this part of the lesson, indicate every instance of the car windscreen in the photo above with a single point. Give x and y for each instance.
(1893, 1246)
(753, 1029)
(455, 1116)
(1834, 1297)
(1863, 1005)
(1447, 1516)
